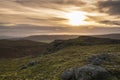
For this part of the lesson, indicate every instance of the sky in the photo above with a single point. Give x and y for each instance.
(55, 17)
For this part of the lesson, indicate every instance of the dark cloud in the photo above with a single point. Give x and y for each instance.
(25, 30)
(94, 18)
(75, 2)
(28, 27)
(49, 16)
(51, 19)
(1, 24)
(110, 22)
(51, 1)
(110, 6)
(50, 4)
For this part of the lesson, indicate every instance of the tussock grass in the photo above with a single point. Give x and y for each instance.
(52, 65)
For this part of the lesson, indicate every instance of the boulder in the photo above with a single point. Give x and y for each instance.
(22, 67)
(88, 72)
(91, 72)
(29, 64)
(32, 63)
(100, 58)
(68, 74)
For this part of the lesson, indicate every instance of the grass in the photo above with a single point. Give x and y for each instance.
(20, 48)
(52, 65)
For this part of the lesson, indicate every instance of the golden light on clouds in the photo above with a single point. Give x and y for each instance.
(59, 16)
(76, 18)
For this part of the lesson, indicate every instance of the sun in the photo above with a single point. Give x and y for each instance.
(76, 18)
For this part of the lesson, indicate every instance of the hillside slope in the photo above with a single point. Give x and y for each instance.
(111, 36)
(49, 38)
(82, 41)
(20, 48)
(51, 66)
(65, 54)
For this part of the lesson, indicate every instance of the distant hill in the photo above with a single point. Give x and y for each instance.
(6, 37)
(112, 36)
(82, 41)
(49, 38)
(20, 48)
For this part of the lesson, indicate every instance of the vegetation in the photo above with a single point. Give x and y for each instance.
(20, 48)
(51, 66)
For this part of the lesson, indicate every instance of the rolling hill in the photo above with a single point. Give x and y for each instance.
(51, 66)
(82, 40)
(20, 48)
(61, 55)
(111, 36)
(49, 38)
(6, 37)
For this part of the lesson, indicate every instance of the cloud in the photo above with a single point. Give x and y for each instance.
(110, 6)
(111, 22)
(48, 16)
(26, 30)
(42, 12)
(50, 1)
(50, 19)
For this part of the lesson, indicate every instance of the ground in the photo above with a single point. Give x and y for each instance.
(51, 66)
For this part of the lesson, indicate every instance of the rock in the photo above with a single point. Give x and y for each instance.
(91, 72)
(32, 63)
(99, 59)
(29, 64)
(22, 67)
(88, 72)
(68, 75)
(115, 73)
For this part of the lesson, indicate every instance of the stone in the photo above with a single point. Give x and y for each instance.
(29, 64)
(68, 74)
(99, 59)
(91, 72)
(87, 72)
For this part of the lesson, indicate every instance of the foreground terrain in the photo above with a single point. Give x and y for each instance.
(51, 65)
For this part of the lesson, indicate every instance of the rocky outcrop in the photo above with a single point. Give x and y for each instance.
(88, 72)
(92, 71)
(100, 58)
(29, 64)
(82, 41)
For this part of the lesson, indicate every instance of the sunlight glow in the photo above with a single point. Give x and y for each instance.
(76, 18)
